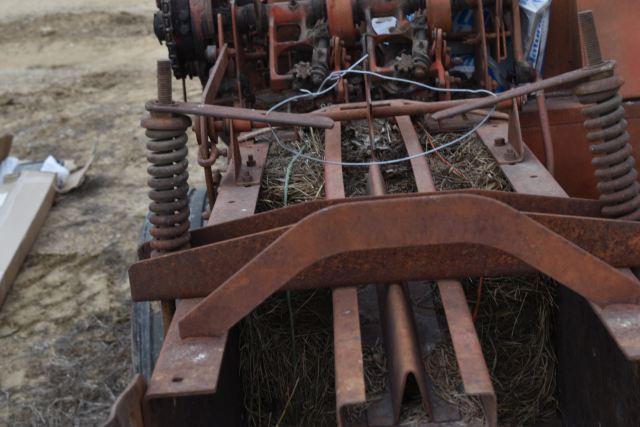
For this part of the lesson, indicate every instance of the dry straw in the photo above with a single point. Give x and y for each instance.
(290, 381)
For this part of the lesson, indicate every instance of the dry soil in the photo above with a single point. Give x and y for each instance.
(75, 73)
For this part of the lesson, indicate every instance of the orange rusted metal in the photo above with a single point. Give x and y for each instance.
(249, 56)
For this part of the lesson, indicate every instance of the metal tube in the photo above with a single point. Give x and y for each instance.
(549, 155)
(223, 112)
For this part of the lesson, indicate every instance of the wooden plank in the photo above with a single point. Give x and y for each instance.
(24, 205)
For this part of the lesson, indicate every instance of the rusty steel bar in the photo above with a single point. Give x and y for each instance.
(224, 112)
(392, 108)
(239, 241)
(291, 214)
(471, 363)
(205, 130)
(186, 367)
(518, 52)
(359, 111)
(219, 69)
(419, 165)
(344, 229)
(347, 341)
(559, 80)
(545, 128)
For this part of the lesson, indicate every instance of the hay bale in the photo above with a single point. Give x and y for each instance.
(287, 372)
(287, 366)
(306, 181)
(286, 344)
(515, 324)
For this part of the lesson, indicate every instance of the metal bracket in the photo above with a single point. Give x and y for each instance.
(509, 150)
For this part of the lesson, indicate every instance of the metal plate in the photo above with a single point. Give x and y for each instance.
(197, 361)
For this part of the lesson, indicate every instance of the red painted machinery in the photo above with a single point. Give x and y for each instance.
(269, 66)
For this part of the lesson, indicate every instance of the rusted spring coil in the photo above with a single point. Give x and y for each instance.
(613, 159)
(169, 207)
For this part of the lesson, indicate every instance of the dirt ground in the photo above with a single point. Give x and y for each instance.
(76, 73)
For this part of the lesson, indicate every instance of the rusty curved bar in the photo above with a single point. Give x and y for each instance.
(403, 223)
(155, 278)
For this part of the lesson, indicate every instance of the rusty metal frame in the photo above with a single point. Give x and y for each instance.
(458, 233)
(347, 340)
(256, 235)
(127, 409)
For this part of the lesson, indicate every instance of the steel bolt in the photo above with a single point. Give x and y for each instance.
(164, 81)
(510, 155)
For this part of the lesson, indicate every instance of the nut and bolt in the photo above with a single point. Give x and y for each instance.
(510, 155)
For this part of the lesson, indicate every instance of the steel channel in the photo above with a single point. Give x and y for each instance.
(398, 325)
(473, 368)
(347, 341)
(396, 317)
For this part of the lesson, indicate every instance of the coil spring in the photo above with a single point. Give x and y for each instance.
(169, 194)
(613, 159)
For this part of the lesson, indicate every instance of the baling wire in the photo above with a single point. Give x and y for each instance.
(335, 77)
(285, 199)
